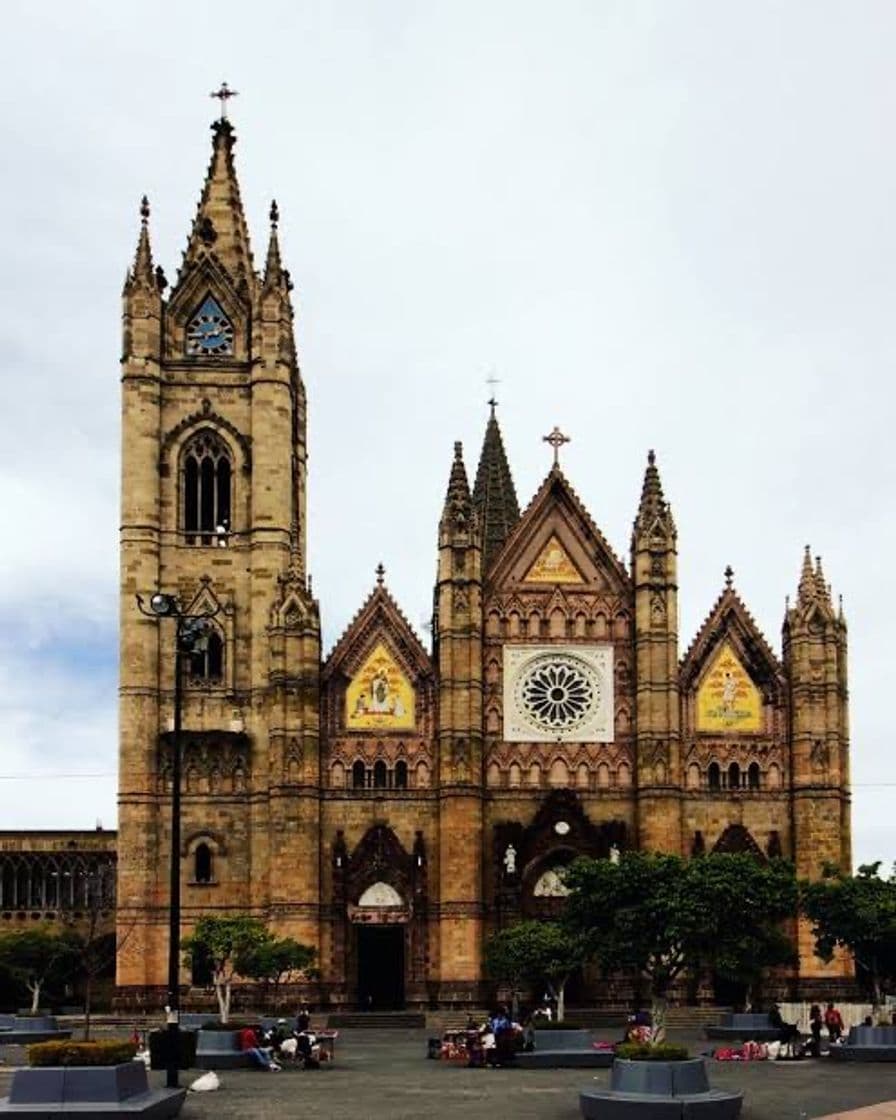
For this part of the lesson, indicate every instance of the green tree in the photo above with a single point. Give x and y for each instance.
(744, 903)
(35, 955)
(225, 940)
(535, 952)
(858, 913)
(661, 915)
(275, 959)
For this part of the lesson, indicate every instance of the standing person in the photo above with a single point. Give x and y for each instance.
(815, 1024)
(833, 1020)
(303, 1019)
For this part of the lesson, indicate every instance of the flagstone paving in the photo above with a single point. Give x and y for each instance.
(384, 1075)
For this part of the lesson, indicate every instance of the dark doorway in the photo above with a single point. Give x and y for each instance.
(380, 967)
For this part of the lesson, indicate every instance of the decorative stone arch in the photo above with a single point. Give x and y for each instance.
(176, 438)
(737, 838)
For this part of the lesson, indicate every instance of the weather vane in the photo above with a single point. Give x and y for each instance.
(556, 439)
(492, 381)
(223, 95)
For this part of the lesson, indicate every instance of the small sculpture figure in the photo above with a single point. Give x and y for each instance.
(510, 860)
(614, 853)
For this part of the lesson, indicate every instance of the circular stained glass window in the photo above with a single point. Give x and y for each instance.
(558, 692)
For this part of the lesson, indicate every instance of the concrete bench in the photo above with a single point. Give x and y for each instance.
(743, 1026)
(867, 1044)
(109, 1091)
(21, 1030)
(564, 1050)
(659, 1091)
(221, 1050)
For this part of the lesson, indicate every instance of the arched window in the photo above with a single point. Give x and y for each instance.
(202, 863)
(714, 776)
(206, 663)
(358, 775)
(401, 774)
(206, 490)
(734, 776)
(753, 775)
(379, 775)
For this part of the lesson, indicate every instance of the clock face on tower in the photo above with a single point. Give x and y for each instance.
(209, 331)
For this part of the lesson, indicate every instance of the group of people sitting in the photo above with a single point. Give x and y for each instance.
(298, 1043)
(492, 1043)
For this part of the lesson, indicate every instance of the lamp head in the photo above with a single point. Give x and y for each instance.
(162, 605)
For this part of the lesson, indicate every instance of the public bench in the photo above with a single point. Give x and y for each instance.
(564, 1050)
(221, 1050)
(867, 1044)
(43, 1093)
(659, 1091)
(20, 1030)
(743, 1026)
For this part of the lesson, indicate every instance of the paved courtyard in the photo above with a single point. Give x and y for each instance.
(384, 1075)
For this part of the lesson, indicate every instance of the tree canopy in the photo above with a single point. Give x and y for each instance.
(35, 956)
(660, 914)
(858, 913)
(535, 952)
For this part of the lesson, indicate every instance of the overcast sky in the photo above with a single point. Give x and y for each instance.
(663, 225)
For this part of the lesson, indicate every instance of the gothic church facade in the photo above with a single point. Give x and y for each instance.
(387, 803)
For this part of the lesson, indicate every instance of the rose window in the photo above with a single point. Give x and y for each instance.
(558, 693)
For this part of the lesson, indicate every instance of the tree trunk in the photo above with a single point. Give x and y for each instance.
(876, 996)
(222, 991)
(658, 1006)
(34, 989)
(560, 996)
(87, 994)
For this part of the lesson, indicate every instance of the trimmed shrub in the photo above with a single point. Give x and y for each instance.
(644, 1052)
(66, 1053)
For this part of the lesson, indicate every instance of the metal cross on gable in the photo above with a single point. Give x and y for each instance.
(556, 439)
(223, 95)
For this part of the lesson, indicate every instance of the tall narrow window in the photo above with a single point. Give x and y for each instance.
(379, 774)
(207, 662)
(714, 776)
(401, 774)
(734, 776)
(358, 776)
(202, 863)
(207, 488)
(753, 775)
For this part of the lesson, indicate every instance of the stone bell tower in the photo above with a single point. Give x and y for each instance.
(213, 511)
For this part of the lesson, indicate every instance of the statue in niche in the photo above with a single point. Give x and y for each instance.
(615, 854)
(509, 860)
(461, 768)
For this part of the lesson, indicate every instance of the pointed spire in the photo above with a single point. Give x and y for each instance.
(220, 224)
(808, 588)
(494, 495)
(823, 591)
(274, 275)
(653, 510)
(141, 274)
(458, 509)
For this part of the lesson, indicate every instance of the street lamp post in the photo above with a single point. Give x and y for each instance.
(190, 632)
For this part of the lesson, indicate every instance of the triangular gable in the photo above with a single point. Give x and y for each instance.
(556, 518)
(378, 622)
(730, 641)
(553, 565)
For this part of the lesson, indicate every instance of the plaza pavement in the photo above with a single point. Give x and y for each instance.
(384, 1075)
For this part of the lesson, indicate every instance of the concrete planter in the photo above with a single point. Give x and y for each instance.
(108, 1091)
(220, 1050)
(659, 1091)
(570, 1049)
(867, 1044)
(741, 1026)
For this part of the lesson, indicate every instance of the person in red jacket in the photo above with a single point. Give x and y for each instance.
(248, 1040)
(833, 1020)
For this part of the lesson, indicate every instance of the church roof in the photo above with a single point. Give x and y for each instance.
(379, 614)
(219, 228)
(557, 486)
(494, 495)
(729, 616)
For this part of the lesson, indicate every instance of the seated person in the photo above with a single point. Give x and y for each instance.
(261, 1056)
(308, 1046)
(787, 1032)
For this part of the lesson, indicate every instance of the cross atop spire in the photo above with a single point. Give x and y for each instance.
(224, 94)
(556, 439)
(729, 577)
(380, 574)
